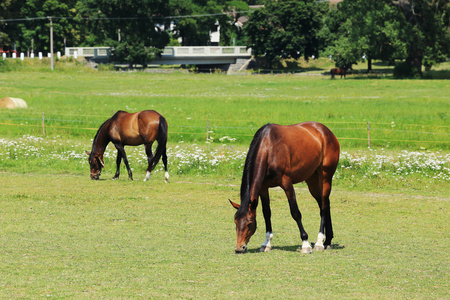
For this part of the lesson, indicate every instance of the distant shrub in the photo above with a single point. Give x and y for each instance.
(405, 70)
(106, 67)
(440, 74)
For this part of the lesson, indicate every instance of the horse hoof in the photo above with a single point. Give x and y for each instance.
(307, 250)
(328, 247)
(319, 247)
(265, 249)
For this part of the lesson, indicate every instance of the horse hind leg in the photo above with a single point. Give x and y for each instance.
(150, 158)
(320, 187)
(166, 172)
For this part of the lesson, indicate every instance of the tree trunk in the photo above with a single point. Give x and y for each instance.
(369, 65)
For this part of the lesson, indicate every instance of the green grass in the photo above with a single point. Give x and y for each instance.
(404, 114)
(65, 236)
(69, 237)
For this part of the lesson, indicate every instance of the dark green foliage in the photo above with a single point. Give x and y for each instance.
(415, 32)
(405, 70)
(286, 29)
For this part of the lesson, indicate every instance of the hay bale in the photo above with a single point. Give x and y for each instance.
(9, 102)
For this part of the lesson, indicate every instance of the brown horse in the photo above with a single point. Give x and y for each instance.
(338, 71)
(282, 156)
(131, 129)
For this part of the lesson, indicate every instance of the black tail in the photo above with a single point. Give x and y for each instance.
(162, 142)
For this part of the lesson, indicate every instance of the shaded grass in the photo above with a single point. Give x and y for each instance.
(68, 236)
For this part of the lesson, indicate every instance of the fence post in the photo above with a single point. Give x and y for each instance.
(368, 134)
(43, 124)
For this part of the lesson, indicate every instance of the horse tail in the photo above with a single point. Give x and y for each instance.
(162, 141)
(249, 167)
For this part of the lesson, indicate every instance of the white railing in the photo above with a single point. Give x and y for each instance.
(174, 55)
(95, 52)
(212, 51)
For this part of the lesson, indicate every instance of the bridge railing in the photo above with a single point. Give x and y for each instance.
(211, 51)
(173, 55)
(91, 52)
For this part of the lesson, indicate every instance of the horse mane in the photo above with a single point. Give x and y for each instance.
(97, 135)
(249, 166)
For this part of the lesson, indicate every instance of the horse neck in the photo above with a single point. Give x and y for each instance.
(101, 139)
(252, 176)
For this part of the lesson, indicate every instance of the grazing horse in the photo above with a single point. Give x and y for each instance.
(339, 71)
(282, 156)
(131, 129)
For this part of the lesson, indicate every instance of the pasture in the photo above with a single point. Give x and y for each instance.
(65, 236)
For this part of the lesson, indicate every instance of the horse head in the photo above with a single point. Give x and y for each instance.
(245, 226)
(96, 163)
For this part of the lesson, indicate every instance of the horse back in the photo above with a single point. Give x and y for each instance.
(298, 150)
(134, 128)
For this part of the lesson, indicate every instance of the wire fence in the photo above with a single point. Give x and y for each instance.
(354, 133)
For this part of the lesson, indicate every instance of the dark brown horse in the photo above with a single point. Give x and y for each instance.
(131, 129)
(338, 71)
(282, 156)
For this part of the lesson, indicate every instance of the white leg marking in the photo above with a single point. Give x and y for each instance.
(167, 176)
(320, 239)
(319, 245)
(269, 236)
(306, 245)
(266, 246)
(147, 176)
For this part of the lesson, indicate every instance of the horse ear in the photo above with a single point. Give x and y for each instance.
(235, 205)
(88, 153)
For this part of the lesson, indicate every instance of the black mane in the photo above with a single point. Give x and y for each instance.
(249, 166)
(95, 143)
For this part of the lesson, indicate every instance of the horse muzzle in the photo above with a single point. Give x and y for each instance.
(95, 176)
(240, 250)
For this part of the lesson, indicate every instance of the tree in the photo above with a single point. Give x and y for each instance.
(134, 28)
(197, 18)
(414, 31)
(363, 29)
(426, 24)
(5, 9)
(33, 31)
(286, 29)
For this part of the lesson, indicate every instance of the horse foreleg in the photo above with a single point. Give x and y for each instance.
(118, 161)
(295, 213)
(120, 148)
(265, 201)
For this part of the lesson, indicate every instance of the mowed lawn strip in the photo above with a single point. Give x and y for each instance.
(68, 236)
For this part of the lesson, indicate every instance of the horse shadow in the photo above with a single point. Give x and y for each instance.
(296, 248)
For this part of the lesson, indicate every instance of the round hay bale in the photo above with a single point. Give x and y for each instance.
(9, 102)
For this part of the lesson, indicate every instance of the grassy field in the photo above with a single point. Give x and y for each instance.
(69, 237)
(65, 236)
(407, 114)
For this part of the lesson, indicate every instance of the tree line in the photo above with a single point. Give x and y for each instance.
(414, 33)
